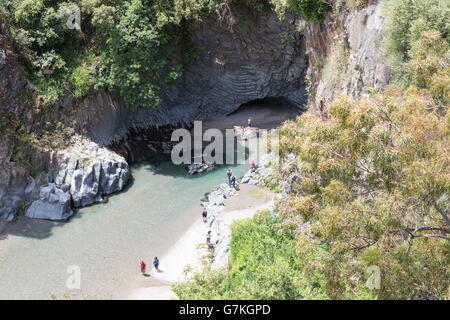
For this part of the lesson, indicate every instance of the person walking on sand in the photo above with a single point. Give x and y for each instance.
(143, 267)
(229, 174)
(205, 215)
(208, 237)
(156, 263)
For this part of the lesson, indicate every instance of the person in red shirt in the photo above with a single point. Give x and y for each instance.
(253, 166)
(143, 267)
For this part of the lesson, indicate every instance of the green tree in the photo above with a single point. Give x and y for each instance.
(373, 183)
(139, 57)
(311, 9)
(407, 19)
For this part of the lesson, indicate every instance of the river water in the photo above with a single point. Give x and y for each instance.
(106, 241)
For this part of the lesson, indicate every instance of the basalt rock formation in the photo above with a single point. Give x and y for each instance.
(345, 54)
(260, 57)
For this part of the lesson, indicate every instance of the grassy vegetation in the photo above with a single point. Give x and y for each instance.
(257, 194)
(336, 66)
(263, 265)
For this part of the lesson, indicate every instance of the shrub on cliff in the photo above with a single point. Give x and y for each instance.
(407, 19)
(139, 57)
(127, 47)
(374, 185)
(311, 9)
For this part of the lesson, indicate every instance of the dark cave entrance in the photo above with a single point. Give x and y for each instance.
(266, 113)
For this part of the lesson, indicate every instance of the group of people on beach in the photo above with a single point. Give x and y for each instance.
(231, 183)
(155, 264)
(231, 178)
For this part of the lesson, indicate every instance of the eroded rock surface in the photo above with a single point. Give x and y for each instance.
(345, 54)
(53, 203)
(261, 58)
(77, 176)
(90, 171)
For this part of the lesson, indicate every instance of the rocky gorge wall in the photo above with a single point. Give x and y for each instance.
(345, 53)
(262, 57)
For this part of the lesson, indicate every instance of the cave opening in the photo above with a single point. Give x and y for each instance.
(265, 113)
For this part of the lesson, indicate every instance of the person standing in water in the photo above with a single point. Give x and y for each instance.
(156, 263)
(205, 215)
(143, 267)
(229, 174)
(249, 121)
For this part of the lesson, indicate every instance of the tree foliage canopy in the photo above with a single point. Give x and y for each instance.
(370, 188)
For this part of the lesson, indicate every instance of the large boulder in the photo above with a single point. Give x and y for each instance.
(195, 168)
(227, 190)
(53, 203)
(91, 172)
(216, 198)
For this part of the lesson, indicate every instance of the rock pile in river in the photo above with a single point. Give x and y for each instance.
(259, 175)
(216, 204)
(195, 168)
(80, 175)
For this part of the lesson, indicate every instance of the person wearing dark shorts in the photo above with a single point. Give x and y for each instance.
(156, 263)
(205, 215)
(233, 182)
(229, 174)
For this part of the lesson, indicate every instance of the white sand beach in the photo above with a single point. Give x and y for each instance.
(186, 251)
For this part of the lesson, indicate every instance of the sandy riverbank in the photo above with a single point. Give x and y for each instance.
(186, 250)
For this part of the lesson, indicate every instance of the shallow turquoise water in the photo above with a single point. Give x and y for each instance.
(106, 241)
